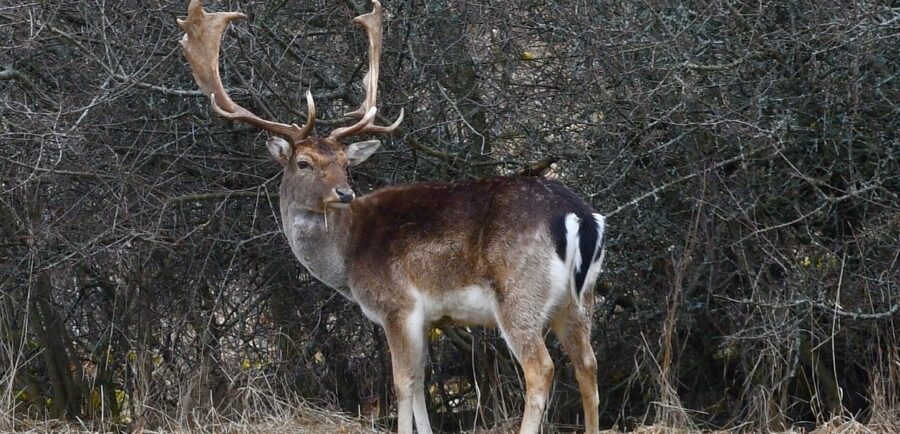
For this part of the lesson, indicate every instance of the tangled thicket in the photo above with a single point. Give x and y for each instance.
(746, 153)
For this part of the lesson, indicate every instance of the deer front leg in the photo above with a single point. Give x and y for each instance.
(420, 410)
(406, 339)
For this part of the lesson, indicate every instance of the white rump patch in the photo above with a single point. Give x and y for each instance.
(573, 250)
(573, 258)
(559, 275)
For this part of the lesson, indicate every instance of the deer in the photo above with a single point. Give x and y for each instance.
(518, 253)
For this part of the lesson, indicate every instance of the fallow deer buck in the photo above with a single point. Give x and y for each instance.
(516, 252)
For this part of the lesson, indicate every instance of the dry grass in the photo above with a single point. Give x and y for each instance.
(306, 421)
(311, 420)
(260, 408)
(835, 426)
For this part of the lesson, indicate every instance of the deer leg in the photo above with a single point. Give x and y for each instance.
(420, 410)
(573, 329)
(406, 339)
(527, 344)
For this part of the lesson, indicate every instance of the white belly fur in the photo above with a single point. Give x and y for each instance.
(470, 305)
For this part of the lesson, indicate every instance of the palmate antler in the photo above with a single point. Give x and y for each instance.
(201, 42)
(372, 23)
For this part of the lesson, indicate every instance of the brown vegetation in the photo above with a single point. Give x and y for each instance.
(745, 152)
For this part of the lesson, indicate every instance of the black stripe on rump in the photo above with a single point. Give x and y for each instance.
(558, 232)
(587, 241)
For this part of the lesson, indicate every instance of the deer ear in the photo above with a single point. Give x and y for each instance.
(280, 149)
(360, 151)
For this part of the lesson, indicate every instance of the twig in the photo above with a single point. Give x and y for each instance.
(414, 143)
(56, 171)
(160, 89)
(538, 168)
(830, 308)
(219, 195)
(681, 179)
(718, 66)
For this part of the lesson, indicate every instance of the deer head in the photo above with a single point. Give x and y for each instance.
(315, 169)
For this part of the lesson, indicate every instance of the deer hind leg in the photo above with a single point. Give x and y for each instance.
(406, 339)
(526, 340)
(573, 329)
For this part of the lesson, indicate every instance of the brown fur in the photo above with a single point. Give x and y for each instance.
(467, 227)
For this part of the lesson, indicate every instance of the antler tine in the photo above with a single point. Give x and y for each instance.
(372, 23)
(200, 44)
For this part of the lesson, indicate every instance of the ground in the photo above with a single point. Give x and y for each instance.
(316, 422)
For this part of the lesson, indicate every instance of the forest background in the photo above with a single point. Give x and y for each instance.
(746, 153)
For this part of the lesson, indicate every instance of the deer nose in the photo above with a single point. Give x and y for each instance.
(345, 195)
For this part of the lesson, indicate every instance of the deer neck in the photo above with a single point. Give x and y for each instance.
(319, 240)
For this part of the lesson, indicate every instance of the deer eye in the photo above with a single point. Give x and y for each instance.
(303, 164)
